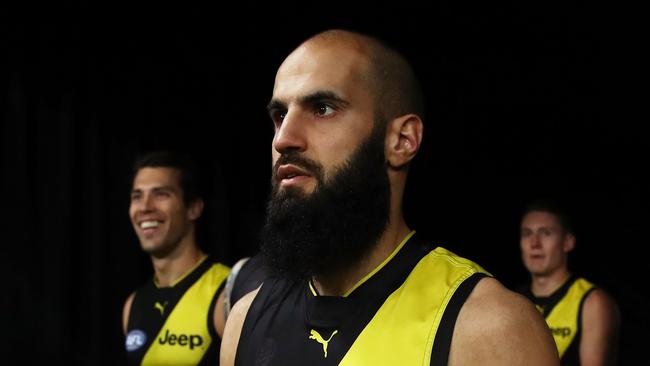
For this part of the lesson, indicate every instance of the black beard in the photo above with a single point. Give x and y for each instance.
(335, 226)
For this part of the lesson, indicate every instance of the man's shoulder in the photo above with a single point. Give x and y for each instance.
(494, 322)
(599, 303)
(220, 267)
(440, 256)
(251, 274)
(490, 298)
(217, 270)
(234, 327)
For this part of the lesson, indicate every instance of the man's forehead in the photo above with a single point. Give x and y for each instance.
(344, 54)
(156, 177)
(540, 218)
(312, 68)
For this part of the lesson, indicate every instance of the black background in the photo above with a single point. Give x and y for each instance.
(522, 100)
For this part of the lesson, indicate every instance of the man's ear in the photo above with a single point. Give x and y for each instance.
(569, 242)
(195, 210)
(403, 139)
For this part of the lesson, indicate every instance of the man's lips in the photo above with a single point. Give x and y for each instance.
(290, 172)
(149, 226)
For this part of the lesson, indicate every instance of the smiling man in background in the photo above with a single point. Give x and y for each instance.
(177, 317)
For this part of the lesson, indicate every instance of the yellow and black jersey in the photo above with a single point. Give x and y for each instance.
(173, 325)
(563, 313)
(402, 313)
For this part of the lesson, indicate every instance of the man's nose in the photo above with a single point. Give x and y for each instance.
(146, 203)
(290, 134)
(536, 241)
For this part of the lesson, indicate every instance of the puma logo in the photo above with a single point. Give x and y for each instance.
(563, 332)
(540, 309)
(315, 335)
(160, 307)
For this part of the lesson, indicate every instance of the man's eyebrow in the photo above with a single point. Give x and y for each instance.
(275, 104)
(154, 189)
(163, 188)
(322, 96)
(310, 99)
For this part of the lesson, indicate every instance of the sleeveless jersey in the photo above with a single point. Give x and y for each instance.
(563, 313)
(402, 313)
(174, 325)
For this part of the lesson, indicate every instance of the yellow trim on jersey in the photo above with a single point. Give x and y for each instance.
(155, 280)
(381, 265)
(563, 319)
(364, 279)
(402, 332)
(313, 290)
(185, 336)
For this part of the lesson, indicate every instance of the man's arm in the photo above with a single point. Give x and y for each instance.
(600, 329)
(233, 328)
(498, 327)
(126, 311)
(218, 315)
(245, 276)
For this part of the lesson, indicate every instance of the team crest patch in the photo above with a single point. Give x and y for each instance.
(135, 339)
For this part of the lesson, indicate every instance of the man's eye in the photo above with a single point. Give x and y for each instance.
(323, 110)
(278, 117)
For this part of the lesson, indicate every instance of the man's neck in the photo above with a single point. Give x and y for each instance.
(545, 285)
(339, 283)
(169, 269)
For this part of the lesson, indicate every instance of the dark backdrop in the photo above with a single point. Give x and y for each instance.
(522, 101)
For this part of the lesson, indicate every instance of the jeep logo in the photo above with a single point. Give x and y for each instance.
(563, 332)
(192, 340)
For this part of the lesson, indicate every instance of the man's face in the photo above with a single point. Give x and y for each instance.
(322, 110)
(544, 244)
(331, 193)
(158, 213)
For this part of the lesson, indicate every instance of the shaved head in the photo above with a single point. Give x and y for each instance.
(390, 78)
